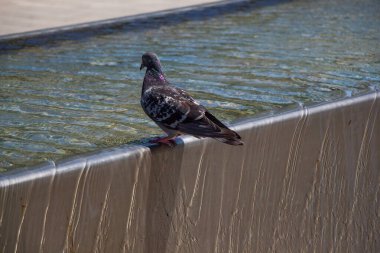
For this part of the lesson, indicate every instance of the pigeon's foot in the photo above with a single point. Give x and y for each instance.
(169, 140)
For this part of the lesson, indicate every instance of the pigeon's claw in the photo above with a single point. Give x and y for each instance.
(169, 140)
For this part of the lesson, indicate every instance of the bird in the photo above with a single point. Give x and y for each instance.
(175, 111)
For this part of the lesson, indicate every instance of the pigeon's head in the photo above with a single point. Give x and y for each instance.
(150, 61)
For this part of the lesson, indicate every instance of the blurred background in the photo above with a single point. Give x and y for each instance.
(28, 15)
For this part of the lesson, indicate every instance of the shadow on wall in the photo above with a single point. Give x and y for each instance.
(164, 179)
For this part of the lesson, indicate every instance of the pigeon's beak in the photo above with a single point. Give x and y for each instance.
(142, 66)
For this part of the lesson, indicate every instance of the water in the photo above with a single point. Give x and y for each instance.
(61, 99)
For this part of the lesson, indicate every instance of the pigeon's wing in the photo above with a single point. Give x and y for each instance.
(175, 109)
(206, 127)
(201, 123)
(170, 106)
(209, 126)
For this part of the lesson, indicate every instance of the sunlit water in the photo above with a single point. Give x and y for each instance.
(79, 96)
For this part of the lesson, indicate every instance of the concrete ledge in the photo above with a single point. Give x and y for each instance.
(306, 181)
(139, 21)
(27, 15)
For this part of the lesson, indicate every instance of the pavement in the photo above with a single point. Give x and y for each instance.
(19, 16)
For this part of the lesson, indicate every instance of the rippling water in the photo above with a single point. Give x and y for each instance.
(80, 96)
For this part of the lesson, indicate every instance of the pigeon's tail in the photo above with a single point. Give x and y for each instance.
(233, 142)
(230, 137)
(209, 126)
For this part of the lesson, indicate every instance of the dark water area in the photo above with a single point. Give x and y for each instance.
(78, 96)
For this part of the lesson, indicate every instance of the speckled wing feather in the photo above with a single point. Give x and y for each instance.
(170, 106)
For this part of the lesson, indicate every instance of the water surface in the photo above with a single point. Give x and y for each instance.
(61, 99)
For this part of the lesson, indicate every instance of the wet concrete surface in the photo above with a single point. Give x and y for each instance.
(305, 181)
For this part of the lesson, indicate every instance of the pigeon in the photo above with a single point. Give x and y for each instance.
(175, 111)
